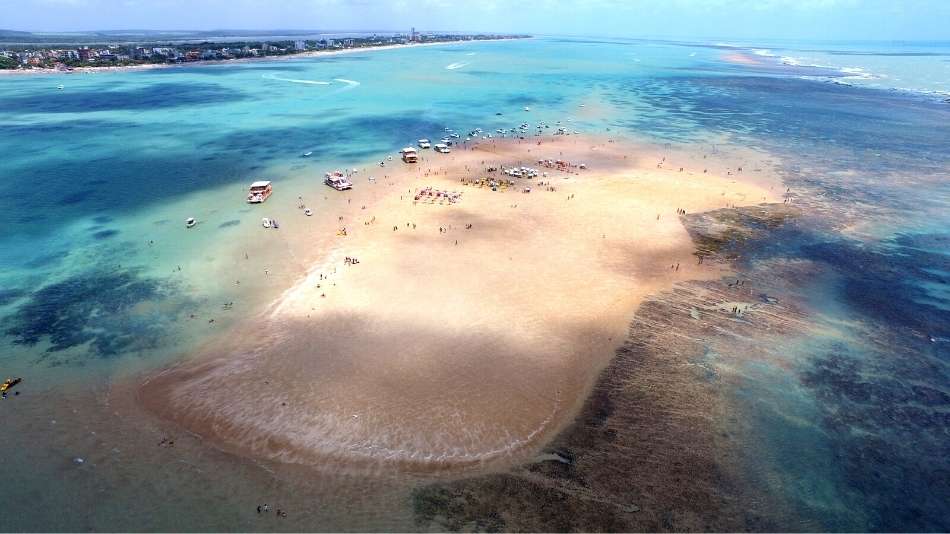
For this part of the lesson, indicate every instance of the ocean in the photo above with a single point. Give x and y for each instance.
(842, 417)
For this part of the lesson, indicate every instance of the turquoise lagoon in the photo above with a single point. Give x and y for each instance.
(100, 281)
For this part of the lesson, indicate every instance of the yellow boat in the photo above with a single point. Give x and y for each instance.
(9, 383)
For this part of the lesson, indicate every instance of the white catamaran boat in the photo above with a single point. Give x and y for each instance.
(442, 148)
(337, 180)
(259, 192)
(409, 155)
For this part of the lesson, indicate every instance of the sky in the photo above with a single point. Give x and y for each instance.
(736, 19)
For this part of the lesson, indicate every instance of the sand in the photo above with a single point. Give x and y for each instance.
(455, 349)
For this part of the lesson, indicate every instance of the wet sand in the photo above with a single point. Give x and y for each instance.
(453, 349)
(659, 445)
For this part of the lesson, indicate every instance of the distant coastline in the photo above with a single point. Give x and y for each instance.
(294, 55)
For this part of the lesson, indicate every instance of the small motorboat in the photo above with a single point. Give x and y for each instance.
(274, 224)
(308, 212)
(190, 222)
(526, 108)
(265, 222)
(60, 87)
(307, 154)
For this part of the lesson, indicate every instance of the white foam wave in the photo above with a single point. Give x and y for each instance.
(850, 73)
(454, 66)
(293, 80)
(857, 73)
(350, 84)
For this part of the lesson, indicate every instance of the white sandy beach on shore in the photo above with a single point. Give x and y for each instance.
(469, 332)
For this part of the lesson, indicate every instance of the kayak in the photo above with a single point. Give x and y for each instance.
(9, 383)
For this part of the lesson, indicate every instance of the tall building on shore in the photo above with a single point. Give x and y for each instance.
(412, 35)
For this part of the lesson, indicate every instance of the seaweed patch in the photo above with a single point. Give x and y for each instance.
(95, 309)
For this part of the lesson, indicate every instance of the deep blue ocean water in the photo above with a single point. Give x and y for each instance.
(98, 176)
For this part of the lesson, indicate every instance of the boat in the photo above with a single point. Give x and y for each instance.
(259, 191)
(409, 155)
(337, 180)
(60, 87)
(308, 212)
(526, 108)
(274, 224)
(424, 143)
(442, 148)
(307, 154)
(265, 222)
(8, 384)
(190, 222)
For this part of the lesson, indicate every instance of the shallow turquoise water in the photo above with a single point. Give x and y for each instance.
(99, 176)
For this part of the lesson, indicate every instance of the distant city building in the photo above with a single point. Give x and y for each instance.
(300, 45)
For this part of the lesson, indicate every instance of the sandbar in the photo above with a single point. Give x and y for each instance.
(469, 332)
